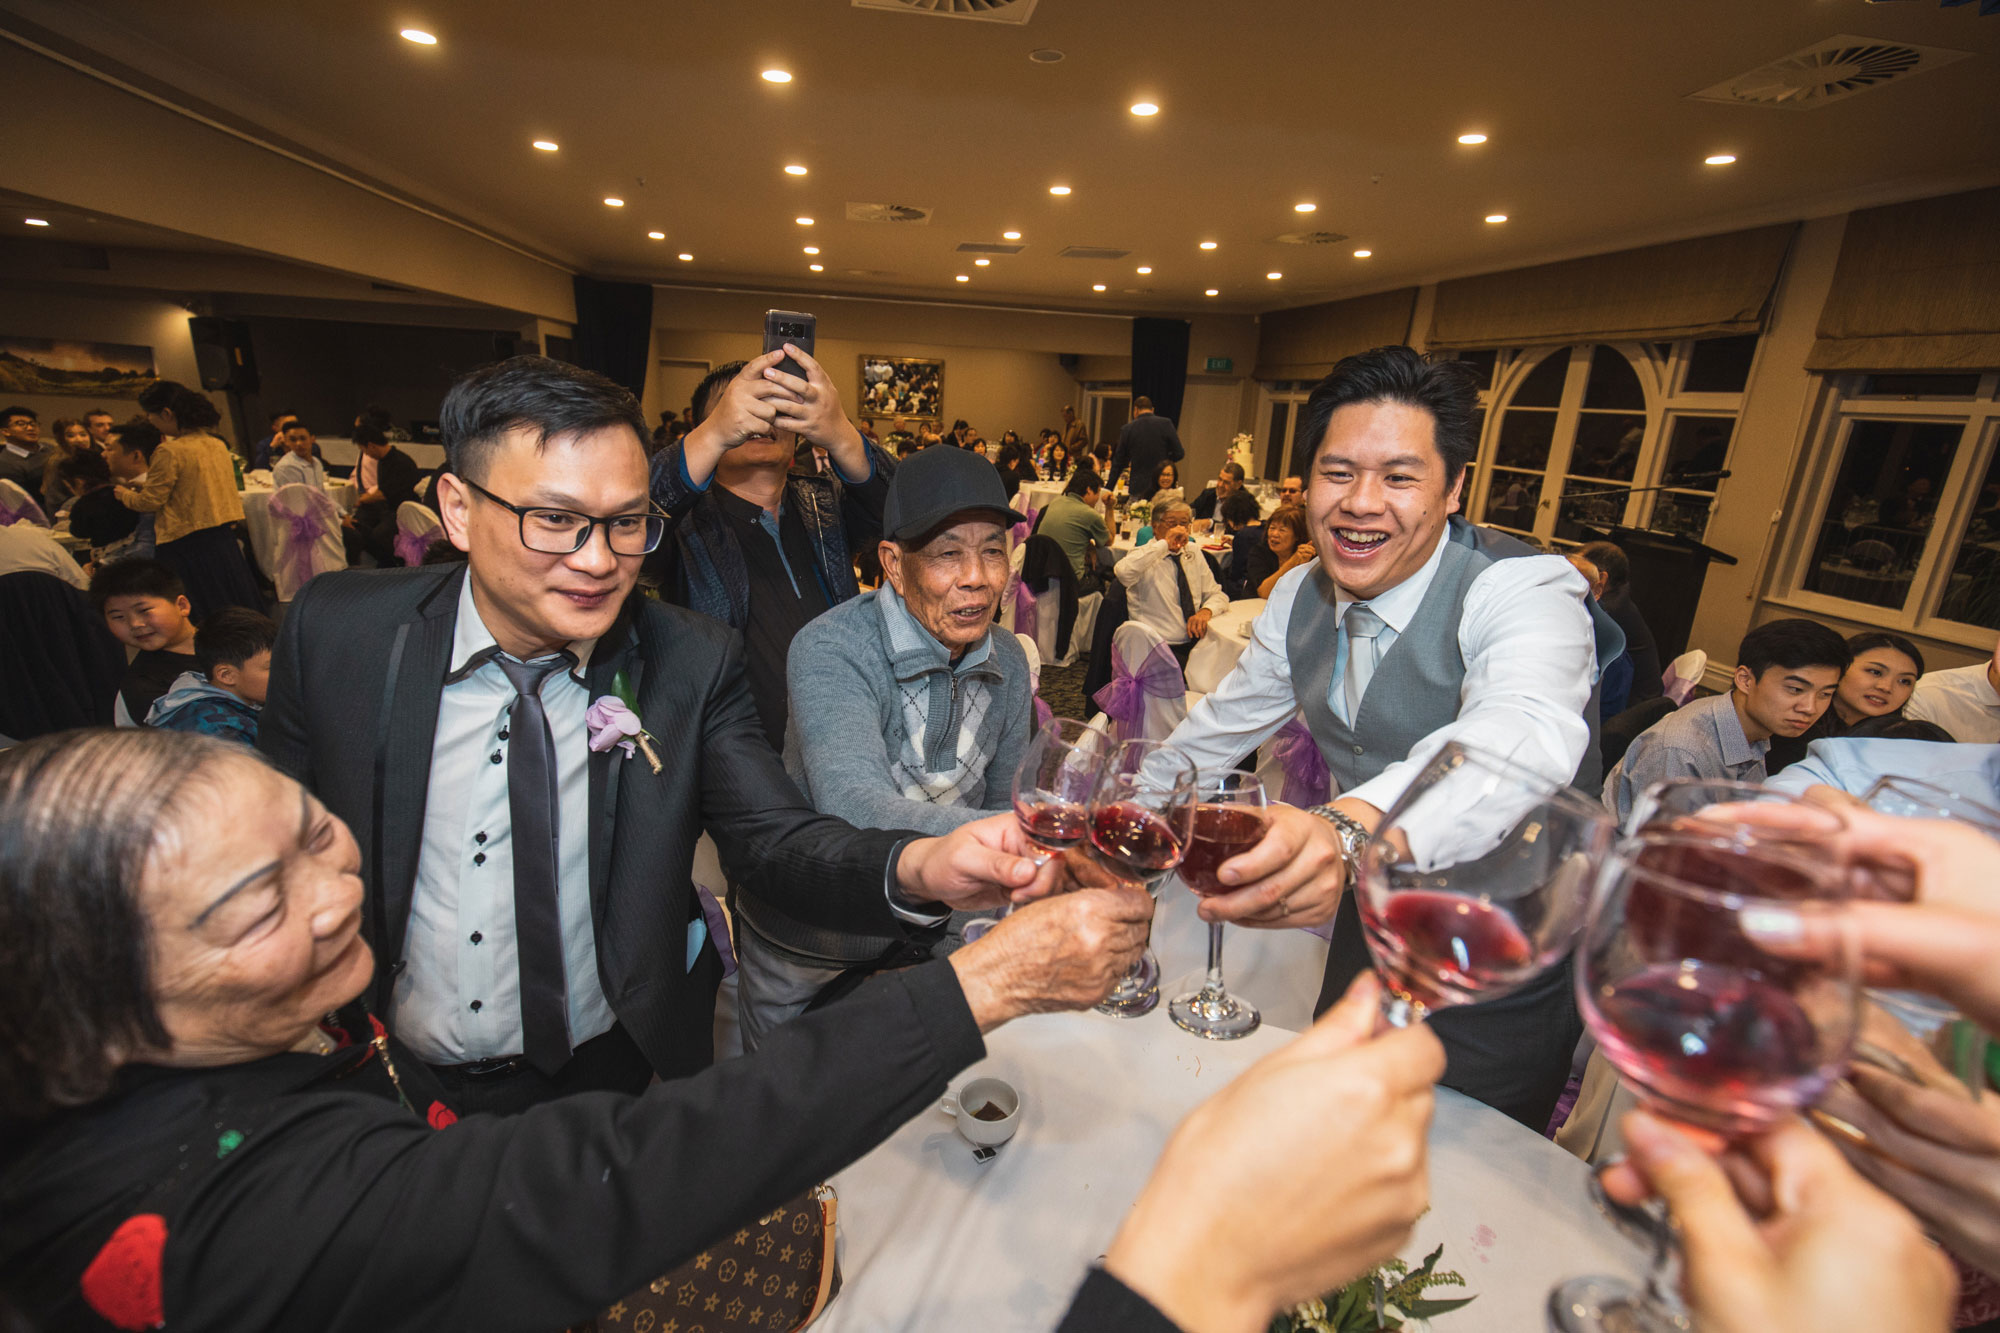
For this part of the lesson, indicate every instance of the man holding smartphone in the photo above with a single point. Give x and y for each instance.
(751, 542)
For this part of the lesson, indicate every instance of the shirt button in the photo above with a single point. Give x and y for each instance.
(496, 756)
(479, 858)
(477, 1005)
(503, 733)
(1357, 749)
(479, 837)
(476, 937)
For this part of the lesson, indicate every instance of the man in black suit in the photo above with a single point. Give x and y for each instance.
(1616, 600)
(1227, 482)
(1147, 441)
(372, 525)
(529, 899)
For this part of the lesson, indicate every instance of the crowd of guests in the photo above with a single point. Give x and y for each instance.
(369, 966)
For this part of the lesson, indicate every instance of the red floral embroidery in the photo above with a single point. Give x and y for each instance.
(442, 1116)
(123, 1281)
(376, 1023)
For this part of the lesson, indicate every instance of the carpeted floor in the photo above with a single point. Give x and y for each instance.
(1062, 687)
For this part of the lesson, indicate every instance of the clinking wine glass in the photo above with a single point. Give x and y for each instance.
(1052, 787)
(1141, 820)
(1229, 819)
(1476, 881)
(1684, 978)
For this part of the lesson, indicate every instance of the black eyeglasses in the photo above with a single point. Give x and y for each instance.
(565, 532)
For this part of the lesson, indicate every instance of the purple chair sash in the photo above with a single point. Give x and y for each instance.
(1307, 782)
(13, 511)
(1019, 532)
(302, 534)
(410, 546)
(1025, 619)
(1043, 713)
(1124, 699)
(1033, 514)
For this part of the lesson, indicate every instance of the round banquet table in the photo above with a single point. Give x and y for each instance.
(264, 532)
(931, 1239)
(1214, 654)
(1036, 495)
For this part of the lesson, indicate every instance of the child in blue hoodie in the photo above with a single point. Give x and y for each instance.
(224, 693)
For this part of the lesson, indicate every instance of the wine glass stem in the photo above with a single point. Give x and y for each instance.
(1212, 984)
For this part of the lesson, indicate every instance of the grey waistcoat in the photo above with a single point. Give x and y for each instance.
(1415, 688)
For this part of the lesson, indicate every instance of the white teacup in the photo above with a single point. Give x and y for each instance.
(974, 1105)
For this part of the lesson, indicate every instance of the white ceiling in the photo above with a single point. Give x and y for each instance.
(1350, 104)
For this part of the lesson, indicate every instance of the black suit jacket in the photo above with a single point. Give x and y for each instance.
(1147, 441)
(356, 679)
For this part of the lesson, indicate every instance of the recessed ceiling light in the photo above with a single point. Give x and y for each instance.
(1274, 276)
(1304, 208)
(803, 222)
(1145, 109)
(613, 201)
(1496, 217)
(1472, 138)
(1059, 189)
(1097, 286)
(685, 256)
(817, 268)
(794, 169)
(812, 249)
(1046, 55)
(1143, 268)
(777, 76)
(547, 145)
(964, 277)
(1719, 159)
(982, 263)
(36, 222)
(656, 236)
(1010, 235)
(1208, 245)
(419, 36)
(1363, 254)
(1213, 291)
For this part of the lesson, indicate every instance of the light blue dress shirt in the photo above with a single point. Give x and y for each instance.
(1854, 764)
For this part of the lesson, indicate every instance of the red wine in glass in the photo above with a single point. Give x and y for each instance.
(1220, 832)
(1447, 948)
(1134, 841)
(1054, 826)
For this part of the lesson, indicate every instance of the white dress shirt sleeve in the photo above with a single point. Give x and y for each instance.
(1256, 698)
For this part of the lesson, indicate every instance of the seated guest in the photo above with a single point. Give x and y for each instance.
(1877, 684)
(1171, 588)
(71, 438)
(1292, 492)
(1905, 748)
(200, 916)
(1286, 533)
(1059, 465)
(1965, 701)
(24, 455)
(296, 466)
(1616, 600)
(146, 609)
(1016, 467)
(190, 486)
(266, 451)
(224, 693)
(1160, 486)
(749, 542)
(910, 707)
(95, 515)
(1786, 673)
(100, 424)
(371, 528)
(128, 455)
(26, 545)
(1074, 522)
(1250, 560)
(1615, 678)
(1227, 483)
(1478, 639)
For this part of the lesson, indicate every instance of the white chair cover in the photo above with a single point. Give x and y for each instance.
(16, 505)
(1677, 682)
(424, 488)
(417, 526)
(1132, 643)
(308, 538)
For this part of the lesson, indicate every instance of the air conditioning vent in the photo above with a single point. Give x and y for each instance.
(888, 213)
(1311, 238)
(1016, 12)
(1090, 252)
(1828, 71)
(991, 247)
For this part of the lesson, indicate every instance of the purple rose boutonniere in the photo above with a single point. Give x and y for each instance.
(612, 720)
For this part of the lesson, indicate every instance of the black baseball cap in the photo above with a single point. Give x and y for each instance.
(931, 486)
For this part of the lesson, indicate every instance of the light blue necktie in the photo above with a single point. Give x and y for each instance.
(1361, 626)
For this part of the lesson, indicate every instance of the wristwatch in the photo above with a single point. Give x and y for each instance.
(1351, 835)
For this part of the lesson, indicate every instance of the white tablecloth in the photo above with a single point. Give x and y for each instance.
(1036, 495)
(932, 1240)
(1214, 654)
(264, 532)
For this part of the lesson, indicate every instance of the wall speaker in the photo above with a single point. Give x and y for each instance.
(223, 355)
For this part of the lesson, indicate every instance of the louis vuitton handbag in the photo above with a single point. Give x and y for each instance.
(776, 1274)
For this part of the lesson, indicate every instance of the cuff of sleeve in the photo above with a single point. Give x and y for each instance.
(1103, 1302)
(699, 488)
(866, 477)
(906, 909)
(940, 1004)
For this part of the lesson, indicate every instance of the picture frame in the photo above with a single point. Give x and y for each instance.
(74, 368)
(901, 386)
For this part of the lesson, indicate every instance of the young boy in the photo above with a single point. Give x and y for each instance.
(146, 608)
(224, 693)
(1786, 674)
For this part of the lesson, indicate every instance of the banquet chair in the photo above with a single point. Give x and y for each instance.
(417, 526)
(16, 504)
(1041, 708)
(1683, 674)
(309, 544)
(1147, 696)
(1042, 597)
(71, 675)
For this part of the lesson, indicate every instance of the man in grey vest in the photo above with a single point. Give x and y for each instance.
(1413, 628)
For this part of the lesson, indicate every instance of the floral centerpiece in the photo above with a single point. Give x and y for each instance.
(1383, 1301)
(1141, 512)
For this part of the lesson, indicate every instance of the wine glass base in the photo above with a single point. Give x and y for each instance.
(1218, 1015)
(1610, 1305)
(1137, 993)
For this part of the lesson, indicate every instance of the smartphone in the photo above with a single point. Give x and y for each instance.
(789, 326)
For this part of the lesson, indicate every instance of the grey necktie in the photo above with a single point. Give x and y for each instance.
(1361, 626)
(534, 814)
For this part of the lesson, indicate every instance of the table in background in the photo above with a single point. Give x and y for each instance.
(932, 1240)
(264, 530)
(1214, 654)
(1036, 495)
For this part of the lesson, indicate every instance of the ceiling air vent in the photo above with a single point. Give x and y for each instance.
(991, 247)
(1090, 252)
(888, 213)
(1311, 238)
(1827, 72)
(1016, 12)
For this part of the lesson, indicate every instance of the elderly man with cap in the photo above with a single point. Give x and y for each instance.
(909, 710)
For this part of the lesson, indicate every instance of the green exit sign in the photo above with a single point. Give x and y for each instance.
(1220, 365)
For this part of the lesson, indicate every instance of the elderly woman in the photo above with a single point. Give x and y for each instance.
(1286, 536)
(206, 1130)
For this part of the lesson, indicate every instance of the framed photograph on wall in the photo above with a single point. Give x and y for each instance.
(74, 368)
(901, 386)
